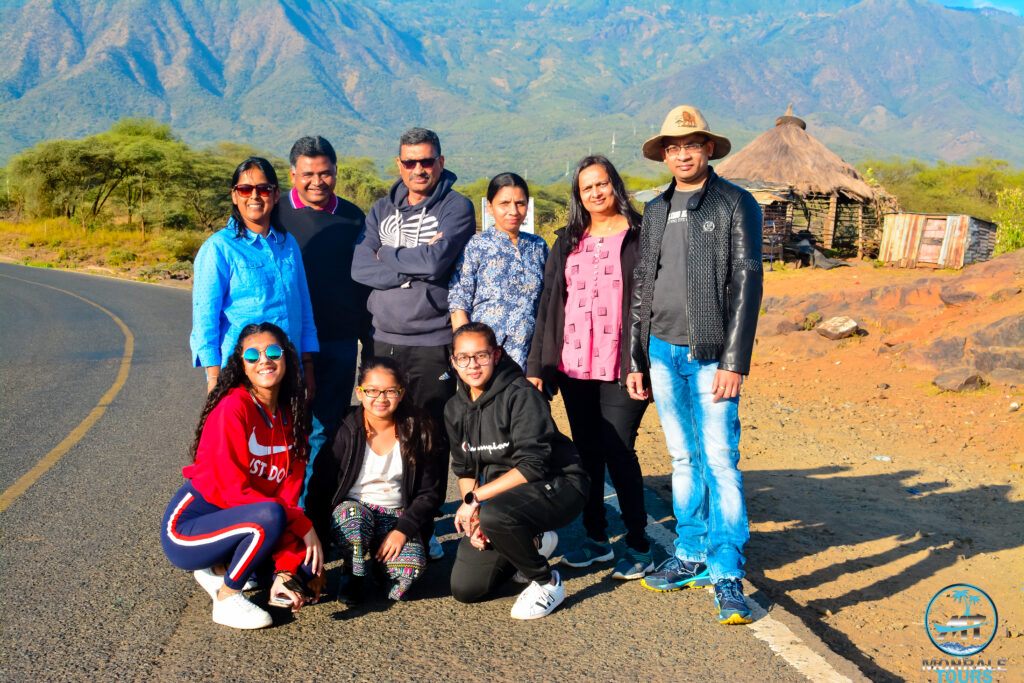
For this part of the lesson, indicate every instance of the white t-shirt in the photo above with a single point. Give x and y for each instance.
(380, 479)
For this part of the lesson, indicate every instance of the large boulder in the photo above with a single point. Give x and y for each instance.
(958, 379)
(1007, 377)
(989, 358)
(956, 295)
(1008, 331)
(942, 353)
(797, 345)
(839, 327)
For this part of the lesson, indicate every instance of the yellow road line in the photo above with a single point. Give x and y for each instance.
(50, 459)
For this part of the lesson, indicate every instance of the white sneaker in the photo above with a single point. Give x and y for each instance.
(548, 543)
(237, 612)
(538, 601)
(210, 582)
(436, 550)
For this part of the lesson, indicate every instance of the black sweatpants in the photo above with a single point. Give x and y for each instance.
(604, 421)
(511, 520)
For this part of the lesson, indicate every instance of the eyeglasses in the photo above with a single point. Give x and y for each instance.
(676, 150)
(263, 188)
(410, 164)
(374, 393)
(481, 357)
(272, 352)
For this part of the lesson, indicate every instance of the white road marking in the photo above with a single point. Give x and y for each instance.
(777, 635)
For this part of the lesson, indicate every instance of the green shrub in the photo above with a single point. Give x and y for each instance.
(812, 320)
(118, 257)
(182, 245)
(1010, 219)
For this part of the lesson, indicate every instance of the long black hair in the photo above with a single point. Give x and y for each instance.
(413, 427)
(268, 170)
(291, 391)
(579, 217)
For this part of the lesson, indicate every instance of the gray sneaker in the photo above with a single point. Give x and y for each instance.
(634, 564)
(587, 554)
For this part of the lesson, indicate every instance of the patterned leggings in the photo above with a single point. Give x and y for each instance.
(357, 530)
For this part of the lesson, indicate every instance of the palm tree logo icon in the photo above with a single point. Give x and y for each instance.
(968, 628)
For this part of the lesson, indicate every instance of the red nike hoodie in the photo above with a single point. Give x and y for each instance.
(242, 460)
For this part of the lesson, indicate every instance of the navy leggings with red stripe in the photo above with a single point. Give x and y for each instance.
(197, 534)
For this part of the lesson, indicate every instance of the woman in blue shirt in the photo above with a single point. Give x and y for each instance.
(498, 278)
(250, 272)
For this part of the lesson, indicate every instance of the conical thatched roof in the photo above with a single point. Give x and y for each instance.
(788, 155)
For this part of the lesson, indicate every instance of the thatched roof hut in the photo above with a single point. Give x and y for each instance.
(786, 168)
(790, 156)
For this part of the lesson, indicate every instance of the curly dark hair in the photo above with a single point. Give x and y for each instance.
(291, 392)
(413, 426)
(579, 217)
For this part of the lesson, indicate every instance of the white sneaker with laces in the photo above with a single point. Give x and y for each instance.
(538, 600)
(436, 551)
(237, 612)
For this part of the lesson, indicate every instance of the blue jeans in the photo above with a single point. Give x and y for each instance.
(703, 439)
(335, 368)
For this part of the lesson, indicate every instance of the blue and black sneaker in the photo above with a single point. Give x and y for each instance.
(732, 607)
(674, 574)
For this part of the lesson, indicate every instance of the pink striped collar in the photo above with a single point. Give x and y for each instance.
(297, 203)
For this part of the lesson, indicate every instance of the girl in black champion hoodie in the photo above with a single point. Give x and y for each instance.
(519, 477)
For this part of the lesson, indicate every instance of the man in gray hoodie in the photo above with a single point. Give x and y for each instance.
(406, 255)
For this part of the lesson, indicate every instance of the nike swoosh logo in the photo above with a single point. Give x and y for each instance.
(259, 450)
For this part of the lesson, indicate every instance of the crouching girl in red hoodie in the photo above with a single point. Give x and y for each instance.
(238, 511)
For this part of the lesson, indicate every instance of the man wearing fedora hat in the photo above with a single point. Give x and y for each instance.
(693, 317)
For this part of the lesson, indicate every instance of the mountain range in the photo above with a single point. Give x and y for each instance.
(525, 86)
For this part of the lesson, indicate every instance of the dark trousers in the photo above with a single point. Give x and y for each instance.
(511, 520)
(604, 421)
(431, 384)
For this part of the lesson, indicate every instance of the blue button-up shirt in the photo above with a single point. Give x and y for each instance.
(499, 283)
(243, 280)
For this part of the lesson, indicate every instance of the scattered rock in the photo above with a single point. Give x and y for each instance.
(895, 348)
(882, 385)
(958, 379)
(1014, 407)
(1005, 293)
(955, 295)
(838, 327)
(941, 353)
(774, 323)
(1009, 377)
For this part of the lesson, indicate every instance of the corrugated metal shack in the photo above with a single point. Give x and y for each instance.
(910, 240)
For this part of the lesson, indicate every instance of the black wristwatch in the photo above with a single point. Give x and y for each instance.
(471, 499)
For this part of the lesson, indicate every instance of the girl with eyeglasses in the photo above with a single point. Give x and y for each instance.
(374, 491)
(518, 476)
(238, 514)
(581, 348)
(247, 272)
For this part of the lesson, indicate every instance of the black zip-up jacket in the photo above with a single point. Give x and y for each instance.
(508, 426)
(724, 276)
(549, 331)
(337, 467)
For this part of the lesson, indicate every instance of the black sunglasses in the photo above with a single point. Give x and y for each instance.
(263, 188)
(410, 164)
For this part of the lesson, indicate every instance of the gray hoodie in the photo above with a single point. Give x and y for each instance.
(409, 278)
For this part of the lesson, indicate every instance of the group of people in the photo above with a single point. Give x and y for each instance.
(466, 336)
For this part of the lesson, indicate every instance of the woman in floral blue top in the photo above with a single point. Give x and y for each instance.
(498, 278)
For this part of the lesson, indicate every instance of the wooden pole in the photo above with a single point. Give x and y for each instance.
(830, 220)
(142, 219)
(860, 231)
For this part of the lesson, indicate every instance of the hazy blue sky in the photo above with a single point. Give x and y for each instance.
(1015, 6)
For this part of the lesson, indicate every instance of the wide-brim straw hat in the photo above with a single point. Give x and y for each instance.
(685, 120)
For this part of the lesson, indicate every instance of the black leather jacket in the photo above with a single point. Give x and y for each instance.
(724, 275)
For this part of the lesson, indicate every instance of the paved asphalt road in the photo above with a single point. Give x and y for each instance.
(88, 594)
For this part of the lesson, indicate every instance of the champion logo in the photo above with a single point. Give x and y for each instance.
(708, 226)
(258, 450)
